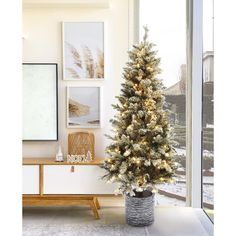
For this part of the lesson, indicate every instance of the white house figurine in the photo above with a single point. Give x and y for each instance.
(59, 155)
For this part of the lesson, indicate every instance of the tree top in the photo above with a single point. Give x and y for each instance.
(146, 33)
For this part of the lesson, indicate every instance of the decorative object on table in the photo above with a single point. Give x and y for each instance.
(141, 152)
(81, 145)
(79, 158)
(83, 50)
(83, 107)
(59, 155)
(40, 88)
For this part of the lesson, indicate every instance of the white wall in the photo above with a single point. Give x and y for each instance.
(43, 43)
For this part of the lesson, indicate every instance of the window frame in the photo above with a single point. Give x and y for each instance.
(194, 52)
(194, 11)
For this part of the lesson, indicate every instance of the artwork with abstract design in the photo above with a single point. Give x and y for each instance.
(39, 102)
(83, 107)
(83, 50)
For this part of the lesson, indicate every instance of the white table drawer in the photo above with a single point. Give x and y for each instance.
(86, 179)
(30, 179)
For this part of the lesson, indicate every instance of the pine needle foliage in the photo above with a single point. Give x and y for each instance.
(141, 149)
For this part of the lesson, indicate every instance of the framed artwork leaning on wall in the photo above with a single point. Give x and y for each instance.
(83, 107)
(83, 50)
(40, 101)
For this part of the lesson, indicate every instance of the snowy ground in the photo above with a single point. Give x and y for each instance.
(180, 188)
(182, 151)
(167, 201)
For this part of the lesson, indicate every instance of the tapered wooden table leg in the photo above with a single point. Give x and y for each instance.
(97, 203)
(94, 208)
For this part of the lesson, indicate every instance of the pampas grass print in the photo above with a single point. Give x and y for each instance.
(89, 62)
(73, 73)
(93, 66)
(100, 64)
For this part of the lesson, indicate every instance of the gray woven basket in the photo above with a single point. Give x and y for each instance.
(139, 211)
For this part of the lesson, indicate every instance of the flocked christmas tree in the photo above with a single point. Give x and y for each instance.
(141, 152)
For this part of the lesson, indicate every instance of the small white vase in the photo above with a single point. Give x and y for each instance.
(59, 155)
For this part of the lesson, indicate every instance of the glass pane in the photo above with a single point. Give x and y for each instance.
(208, 109)
(167, 29)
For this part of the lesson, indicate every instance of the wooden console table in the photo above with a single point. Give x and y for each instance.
(46, 182)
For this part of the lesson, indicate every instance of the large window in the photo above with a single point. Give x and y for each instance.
(166, 20)
(208, 109)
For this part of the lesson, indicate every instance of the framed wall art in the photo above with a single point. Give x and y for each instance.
(40, 102)
(83, 107)
(83, 50)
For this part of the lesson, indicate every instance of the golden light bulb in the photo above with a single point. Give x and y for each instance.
(153, 117)
(161, 179)
(129, 127)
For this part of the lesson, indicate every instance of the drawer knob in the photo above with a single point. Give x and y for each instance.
(72, 169)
